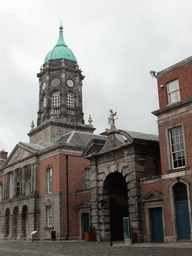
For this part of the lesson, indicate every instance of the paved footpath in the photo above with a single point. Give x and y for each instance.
(78, 248)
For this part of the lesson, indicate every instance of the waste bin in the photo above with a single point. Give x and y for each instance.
(53, 235)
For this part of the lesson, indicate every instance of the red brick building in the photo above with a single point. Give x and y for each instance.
(44, 184)
(158, 200)
(175, 141)
(48, 186)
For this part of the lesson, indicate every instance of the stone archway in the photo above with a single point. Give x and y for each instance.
(115, 190)
(15, 222)
(7, 222)
(24, 221)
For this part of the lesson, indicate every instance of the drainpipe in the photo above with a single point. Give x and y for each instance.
(67, 183)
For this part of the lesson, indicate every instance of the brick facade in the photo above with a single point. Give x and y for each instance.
(170, 117)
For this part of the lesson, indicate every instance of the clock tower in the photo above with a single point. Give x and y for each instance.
(60, 95)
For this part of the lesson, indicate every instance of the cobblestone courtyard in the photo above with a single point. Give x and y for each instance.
(92, 248)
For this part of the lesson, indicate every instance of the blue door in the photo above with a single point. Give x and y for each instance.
(157, 225)
(181, 211)
(182, 219)
(85, 222)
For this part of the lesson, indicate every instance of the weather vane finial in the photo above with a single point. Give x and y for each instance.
(61, 27)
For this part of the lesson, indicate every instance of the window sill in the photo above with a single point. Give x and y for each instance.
(178, 169)
(48, 228)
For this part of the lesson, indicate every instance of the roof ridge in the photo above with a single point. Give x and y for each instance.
(70, 137)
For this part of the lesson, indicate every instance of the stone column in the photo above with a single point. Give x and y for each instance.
(135, 173)
(94, 199)
(32, 178)
(8, 184)
(19, 231)
(5, 186)
(14, 183)
(35, 177)
(23, 181)
(12, 226)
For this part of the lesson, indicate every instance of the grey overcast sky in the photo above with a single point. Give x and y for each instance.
(116, 44)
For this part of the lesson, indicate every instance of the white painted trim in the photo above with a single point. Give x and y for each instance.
(176, 174)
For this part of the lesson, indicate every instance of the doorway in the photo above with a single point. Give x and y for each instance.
(7, 222)
(157, 225)
(85, 223)
(181, 210)
(24, 223)
(15, 222)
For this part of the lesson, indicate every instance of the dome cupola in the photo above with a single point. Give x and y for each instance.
(60, 51)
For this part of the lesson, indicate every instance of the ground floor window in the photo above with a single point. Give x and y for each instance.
(49, 216)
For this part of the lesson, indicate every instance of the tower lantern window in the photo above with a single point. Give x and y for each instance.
(56, 99)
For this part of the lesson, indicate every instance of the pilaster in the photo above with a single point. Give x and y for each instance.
(23, 181)
(32, 178)
(14, 183)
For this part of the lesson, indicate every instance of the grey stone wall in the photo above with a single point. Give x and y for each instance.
(54, 201)
(132, 167)
(28, 201)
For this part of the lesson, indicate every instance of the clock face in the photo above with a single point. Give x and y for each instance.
(44, 85)
(55, 82)
(70, 83)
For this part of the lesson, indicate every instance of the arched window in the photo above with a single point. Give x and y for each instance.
(44, 102)
(56, 99)
(56, 102)
(70, 103)
(70, 100)
(180, 191)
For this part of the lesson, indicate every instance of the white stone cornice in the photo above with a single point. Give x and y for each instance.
(176, 174)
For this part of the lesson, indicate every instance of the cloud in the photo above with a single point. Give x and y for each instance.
(116, 44)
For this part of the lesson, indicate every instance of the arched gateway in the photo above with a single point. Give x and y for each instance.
(24, 221)
(115, 191)
(118, 162)
(7, 223)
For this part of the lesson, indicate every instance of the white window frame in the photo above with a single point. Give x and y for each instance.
(173, 91)
(19, 188)
(56, 99)
(44, 102)
(49, 214)
(70, 100)
(49, 176)
(177, 147)
(70, 103)
(87, 178)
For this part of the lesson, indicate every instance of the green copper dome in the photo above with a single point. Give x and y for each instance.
(60, 51)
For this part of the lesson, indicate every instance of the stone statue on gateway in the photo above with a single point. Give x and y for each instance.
(111, 120)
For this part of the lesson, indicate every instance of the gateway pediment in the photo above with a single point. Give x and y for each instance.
(152, 196)
(84, 204)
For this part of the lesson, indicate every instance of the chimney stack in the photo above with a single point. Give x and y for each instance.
(3, 154)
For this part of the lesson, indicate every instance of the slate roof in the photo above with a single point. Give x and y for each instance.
(32, 146)
(142, 136)
(77, 138)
